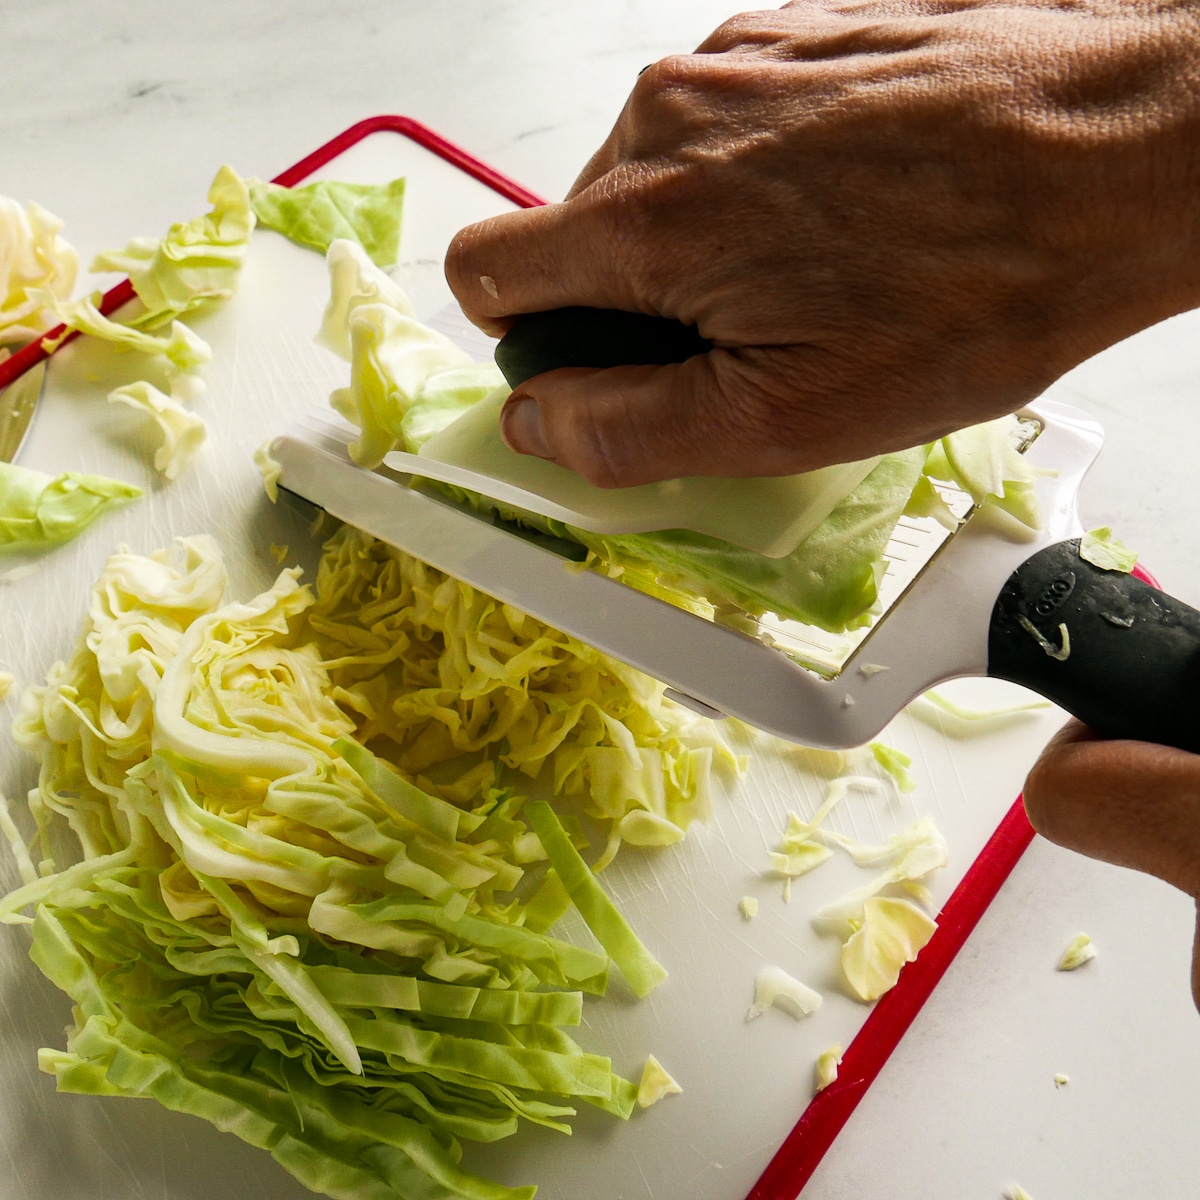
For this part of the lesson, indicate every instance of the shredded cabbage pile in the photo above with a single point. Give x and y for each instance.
(440, 672)
(308, 899)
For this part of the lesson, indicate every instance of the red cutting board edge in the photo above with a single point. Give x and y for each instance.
(802, 1150)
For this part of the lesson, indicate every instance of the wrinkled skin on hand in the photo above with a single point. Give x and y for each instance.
(894, 218)
(1129, 803)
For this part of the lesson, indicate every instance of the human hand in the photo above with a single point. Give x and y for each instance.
(893, 218)
(1129, 803)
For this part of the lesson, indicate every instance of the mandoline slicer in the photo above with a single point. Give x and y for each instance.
(1117, 653)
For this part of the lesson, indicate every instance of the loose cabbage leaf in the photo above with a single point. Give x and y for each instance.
(45, 510)
(1101, 549)
(896, 763)
(1080, 951)
(183, 432)
(909, 857)
(933, 707)
(892, 932)
(656, 1083)
(826, 1071)
(183, 351)
(775, 988)
(34, 263)
(195, 261)
(319, 213)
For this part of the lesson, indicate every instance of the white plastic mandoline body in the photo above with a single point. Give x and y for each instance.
(937, 631)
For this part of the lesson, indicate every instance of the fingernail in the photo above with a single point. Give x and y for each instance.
(521, 427)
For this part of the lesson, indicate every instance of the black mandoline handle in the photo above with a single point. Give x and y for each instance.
(593, 337)
(1133, 667)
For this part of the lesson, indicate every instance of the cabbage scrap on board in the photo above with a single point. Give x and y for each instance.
(183, 432)
(1101, 549)
(197, 261)
(309, 899)
(39, 510)
(320, 213)
(34, 261)
(409, 382)
(880, 932)
(193, 262)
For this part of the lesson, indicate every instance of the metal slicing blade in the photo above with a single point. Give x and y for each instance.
(18, 403)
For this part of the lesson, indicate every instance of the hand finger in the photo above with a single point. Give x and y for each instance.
(621, 238)
(1130, 803)
(539, 259)
(715, 414)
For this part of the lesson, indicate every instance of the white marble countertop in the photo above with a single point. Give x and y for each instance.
(115, 118)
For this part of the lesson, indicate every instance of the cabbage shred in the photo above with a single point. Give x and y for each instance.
(305, 902)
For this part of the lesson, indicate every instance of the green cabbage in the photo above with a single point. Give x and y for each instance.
(270, 470)
(310, 903)
(45, 510)
(896, 763)
(1080, 951)
(441, 672)
(908, 856)
(656, 1083)
(640, 968)
(775, 988)
(1101, 549)
(891, 933)
(183, 432)
(182, 351)
(34, 262)
(354, 280)
(195, 261)
(826, 1070)
(319, 213)
(956, 719)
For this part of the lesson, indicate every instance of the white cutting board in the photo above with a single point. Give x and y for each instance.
(744, 1085)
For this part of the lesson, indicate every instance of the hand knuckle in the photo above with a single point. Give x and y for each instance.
(662, 84)
(739, 31)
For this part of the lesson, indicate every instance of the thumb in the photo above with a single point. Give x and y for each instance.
(1134, 804)
(1129, 803)
(630, 425)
